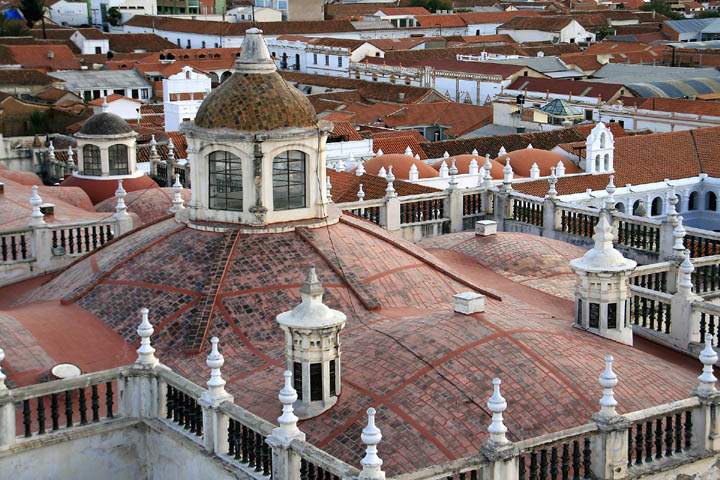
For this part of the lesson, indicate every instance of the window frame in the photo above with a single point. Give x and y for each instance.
(282, 180)
(97, 162)
(232, 164)
(114, 159)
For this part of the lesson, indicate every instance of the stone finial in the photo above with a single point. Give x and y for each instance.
(382, 173)
(446, 154)
(552, 181)
(171, 152)
(371, 462)
(51, 151)
(153, 144)
(507, 175)
(603, 257)
(610, 190)
(2, 375)
(390, 190)
(360, 170)
(379, 152)
(71, 159)
(254, 55)
(177, 202)
(453, 170)
(340, 165)
(473, 168)
(497, 405)
(216, 385)
(474, 152)
(560, 169)
(685, 272)
(105, 107)
(529, 147)
(120, 207)
(417, 156)
(312, 289)
(502, 151)
(708, 357)
(288, 420)
(444, 170)
(534, 171)
(146, 353)
(608, 380)
(672, 202)
(408, 151)
(360, 193)
(679, 237)
(328, 187)
(36, 215)
(488, 171)
(413, 174)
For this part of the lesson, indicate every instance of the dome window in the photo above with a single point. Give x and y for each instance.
(289, 180)
(226, 181)
(91, 165)
(118, 158)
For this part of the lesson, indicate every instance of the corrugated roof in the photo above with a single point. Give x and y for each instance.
(92, 79)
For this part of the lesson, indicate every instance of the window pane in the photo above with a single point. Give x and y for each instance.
(289, 180)
(225, 187)
(118, 159)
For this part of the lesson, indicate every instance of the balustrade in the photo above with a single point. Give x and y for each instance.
(422, 211)
(654, 437)
(247, 446)
(641, 236)
(182, 409)
(14, 246)
(577, 222)
(368, 213)
(527, 211)
(566, 458)
(81, 239)
(651, 310)
(701, 246)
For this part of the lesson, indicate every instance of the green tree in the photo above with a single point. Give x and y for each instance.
(432, 5)
(708, 14)
(39, 122)
(114, 16)
(34, 10)
(662, 8)
(603, 32)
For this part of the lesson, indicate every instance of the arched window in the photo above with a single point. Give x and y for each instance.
(678, 207)
(226, 182)
(620, 207)
(118, 158)
(638, 209)
(597, 163)
(657, 207)
(607, 162)
(214, 80)
(91, 161)
(710, 201)
(602, 140)
(225, 76)
(289, 180)
(692, 201)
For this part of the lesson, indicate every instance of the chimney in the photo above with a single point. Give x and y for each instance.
(401, 96)
(47, 209)
(51, 54)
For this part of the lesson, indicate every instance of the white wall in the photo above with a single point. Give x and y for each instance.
(126, 109)
(69, 13)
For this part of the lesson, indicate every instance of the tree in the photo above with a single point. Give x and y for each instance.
(708, 14)
(432, 5)
(34, 10)
(603, 32)
(662, 8)
(114, 17)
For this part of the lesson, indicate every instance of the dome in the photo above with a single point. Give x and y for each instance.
(522, 160)
(401, 166)
(255, 97)
(105, 123)
(462, 162)
(99, 189)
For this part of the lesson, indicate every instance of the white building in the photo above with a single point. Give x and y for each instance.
(91, 41)
(66, 12)
(546, 29)
(183, 93)
(124, 107)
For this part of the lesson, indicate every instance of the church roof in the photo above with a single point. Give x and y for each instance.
(105, 123)
(405, 351)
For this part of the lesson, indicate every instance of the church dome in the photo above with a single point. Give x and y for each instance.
(462, 163)
(105, 123)
(401, 166)
(523, 159)
(255, 97)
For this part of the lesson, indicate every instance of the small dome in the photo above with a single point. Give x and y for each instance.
(462, 162)
(522, 160)
(105, 123)
(401, 166)
(255, 97)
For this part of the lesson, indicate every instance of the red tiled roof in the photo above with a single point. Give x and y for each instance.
(440, 20)
(346, 131)
(679, 105)
(543, 24)
(397, 141)
(43, 57)
(404, 10)
(567, 87)
(345, 186)
(131, 42)
(585, 62)
(92, 33)
(112, 98)
(458, 117)
(480, 18)
(102, 189)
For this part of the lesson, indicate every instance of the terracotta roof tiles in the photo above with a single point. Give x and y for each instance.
(345, 186)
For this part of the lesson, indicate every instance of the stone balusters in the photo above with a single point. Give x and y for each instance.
(390, 215)
(360, 193)
(7, 411)
(608, 380)
(500, 452)
(708, 357)
(146, 353)
(371, 462)
(705, 421)
(286, 462)
(215, 422)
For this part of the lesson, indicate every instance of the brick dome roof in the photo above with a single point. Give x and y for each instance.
(401, 166)
(99, 189)
(462, 162)
(105, 123)
(255, 97)
(522, 160)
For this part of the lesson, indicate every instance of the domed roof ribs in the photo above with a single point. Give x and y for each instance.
(364, 293)
(196, 340)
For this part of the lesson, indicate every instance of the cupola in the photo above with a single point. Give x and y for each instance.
(106, 147)
(312, 349)
(599, 150)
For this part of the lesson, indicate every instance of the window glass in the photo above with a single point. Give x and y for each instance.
(225, 181)
(289, 180)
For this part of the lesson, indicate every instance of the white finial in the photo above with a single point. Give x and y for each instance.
(685, 272)
(552, 181)
(51, 151)
(360, 170)
(708, 357)
(488, 171)
(453, 168)
(71, 159)
(417, 156)
(153, 143)
(171, 152)
(473, 167)
(177, 202)
(413, 174)
(529, 147)
(120, 207)
(105, 105)
(216, 385)
(371, 462)
(328, 187)
(340, 165)
(679, 237)
(360, 193)
(2, 375)
(672, 201)
(560, 169)
(507, 175)
(502, 151)
(444, 170)
(610, 190)
(534, 171)
(474, 152)
(390, 190)
(146, 353)
(408, 151)
(288, 420)
(446, 154)
(379, 152)
(36, 216)
(608, 380)
(497, 405)
(382, 172)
